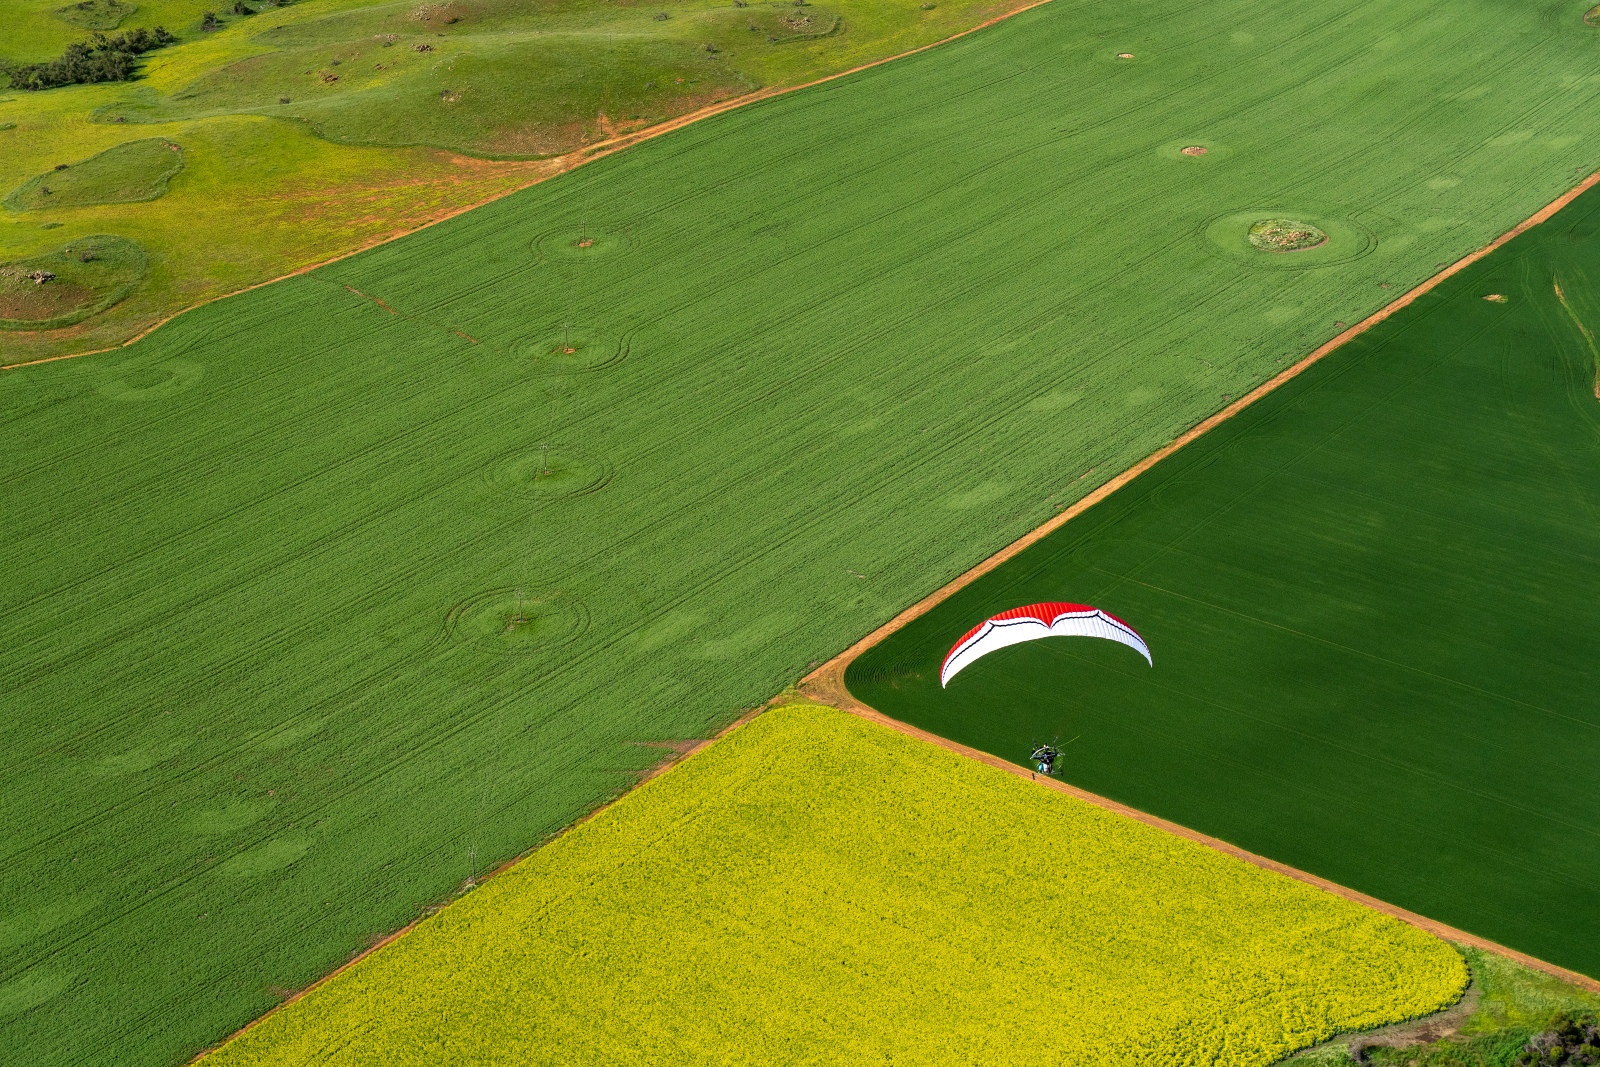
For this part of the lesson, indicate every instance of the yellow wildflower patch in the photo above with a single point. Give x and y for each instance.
(815, 888)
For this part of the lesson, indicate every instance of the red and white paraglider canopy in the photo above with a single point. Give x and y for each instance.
(1053, 619)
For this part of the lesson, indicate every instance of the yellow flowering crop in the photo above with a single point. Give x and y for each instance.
(817, 889)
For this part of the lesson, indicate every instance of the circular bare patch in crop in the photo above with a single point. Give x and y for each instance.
(1285, 235)
(566, 349)
(1197, 150)
(1304, 238)
(514, 620)
(549, 472)
(581, 242)
(1591, 17)
(1496, 298)
(1124, 55)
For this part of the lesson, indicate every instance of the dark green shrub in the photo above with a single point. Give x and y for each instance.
(99, 59)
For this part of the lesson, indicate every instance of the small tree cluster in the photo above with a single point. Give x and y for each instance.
(1571, 1042)
(99, 59)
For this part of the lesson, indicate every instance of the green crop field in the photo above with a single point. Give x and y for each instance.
(315, 127)
(1373, 607)
(323, 598)
(818, 888)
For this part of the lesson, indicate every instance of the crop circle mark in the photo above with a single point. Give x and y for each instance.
(565, 349)
(1194, 150)
(514, 620)
(1286, 239)
(549, 472)
(152, 382)
(581, 243)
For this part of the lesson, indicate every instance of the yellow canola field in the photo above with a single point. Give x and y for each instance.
(818, 889)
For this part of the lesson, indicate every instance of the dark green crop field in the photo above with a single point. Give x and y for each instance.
(322, 599)
(1373, 603)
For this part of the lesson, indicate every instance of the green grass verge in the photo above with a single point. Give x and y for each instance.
(823, 889)
(1371, 608)
(1516, 1005)
(830, 350)
(318, 127)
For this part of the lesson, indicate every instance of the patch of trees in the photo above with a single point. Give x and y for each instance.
(99, 59)
(1570, 1042)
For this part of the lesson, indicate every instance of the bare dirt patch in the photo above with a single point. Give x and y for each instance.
(1285, 235)
(1195, 150)
(441, 14)
(679, 748)
(29, 301)
(1427, 1030)
(538, 139)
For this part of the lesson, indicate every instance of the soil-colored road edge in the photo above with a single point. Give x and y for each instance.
(683, 750)
(1422, 922)
(829, 678)
(826, 683)
(563, 164)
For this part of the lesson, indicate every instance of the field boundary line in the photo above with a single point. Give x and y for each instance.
(563, 164)
(826, 683)
(830, 676)
(680, 751)
(1438, 929)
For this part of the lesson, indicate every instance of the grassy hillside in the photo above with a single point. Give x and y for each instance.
(1372, 607)
(818, 889)
(270, 688)
(259, 105)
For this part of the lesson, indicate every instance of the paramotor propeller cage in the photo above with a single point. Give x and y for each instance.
(1045, 756)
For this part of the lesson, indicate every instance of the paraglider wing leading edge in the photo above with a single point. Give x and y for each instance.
(1032, 622)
